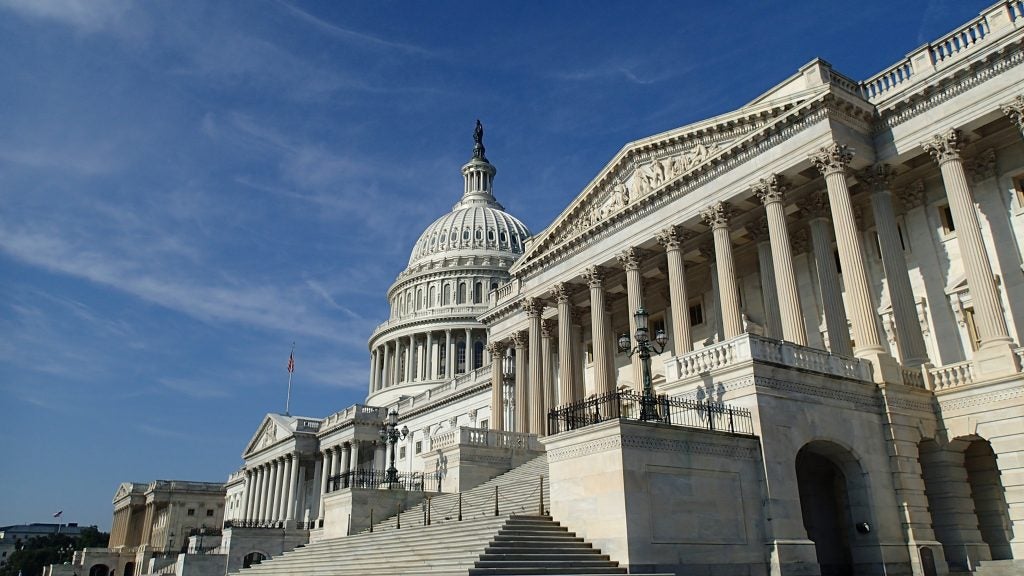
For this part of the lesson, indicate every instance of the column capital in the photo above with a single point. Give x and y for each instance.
(832, 158)
(672, 238)
(982, 166)
(758, 229)
(911, 195)
(770, 189)
(707, 248)
(1015, 110)
(944, 147)
(520, 339)
(630, 258)
(800, 241)
(496, 348)
(594, 275)
(533, 306)
(717, 215)
(815, 205)
(878, 177)
(562, 292)
(548, 327)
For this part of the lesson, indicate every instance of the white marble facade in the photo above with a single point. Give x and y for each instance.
(836, 256)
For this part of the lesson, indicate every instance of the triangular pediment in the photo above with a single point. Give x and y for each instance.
(668, 161)
(272, 430)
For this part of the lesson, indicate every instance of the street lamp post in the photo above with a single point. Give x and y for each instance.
(390, 434)
(508, 375)
(643, 348)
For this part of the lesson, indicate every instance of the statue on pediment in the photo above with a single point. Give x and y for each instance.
(616, 200)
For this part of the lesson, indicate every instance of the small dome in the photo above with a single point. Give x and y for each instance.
(470, 230)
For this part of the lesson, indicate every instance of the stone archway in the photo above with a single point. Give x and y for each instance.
(99, 570)
(836, 509)
(129, 569)
(253, 558)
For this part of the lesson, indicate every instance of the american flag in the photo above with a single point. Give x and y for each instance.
(58, 513)
(291, 362)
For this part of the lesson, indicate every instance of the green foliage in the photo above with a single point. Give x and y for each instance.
(35, 553)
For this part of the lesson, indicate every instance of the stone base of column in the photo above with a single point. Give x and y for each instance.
(996, 359)
(885, 368)
(793, 558)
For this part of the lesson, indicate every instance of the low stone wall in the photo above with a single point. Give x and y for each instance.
(347, 511)
(662, 499)
(270, 542)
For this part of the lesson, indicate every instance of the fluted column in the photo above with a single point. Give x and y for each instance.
(533, 309)
(354, 464)
(497, 350)
(408, 360)
(469, 351)
(758, 231)
(275, 491)
(325, 473)
(449, 355)
(630, 261)
(578, 384)
(897, 276)
(385, 374)
(771, 190)
(603, 381)
(817, 213)
(717, 217)
(671, 239)
(832, 162)
(566, 367)
(429, 358)
(995, 354)
(1015, 110)
(548, 330)
(266, 492)
(249, 486)
(293, 486)
(522, 397)
(257, 497)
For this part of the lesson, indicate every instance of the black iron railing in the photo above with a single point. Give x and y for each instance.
(375, 479)
(629, 405)
(238, 523)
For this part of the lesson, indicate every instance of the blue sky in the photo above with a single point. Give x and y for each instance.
(186, 188)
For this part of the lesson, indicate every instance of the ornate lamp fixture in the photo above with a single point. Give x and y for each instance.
(644, 347)
(390, 434)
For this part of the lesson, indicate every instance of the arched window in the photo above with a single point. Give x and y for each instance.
(478, 293)
(465, 234)
(460, 357)
(431, 297)
(419, 299)
(503, 237)
(446, 294)
(490, 235)
(494, 285)
(462, 293)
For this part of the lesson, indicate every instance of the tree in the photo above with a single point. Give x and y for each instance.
(32, 555)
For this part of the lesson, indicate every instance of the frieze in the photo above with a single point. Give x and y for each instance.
(978, 400)
(651, 443)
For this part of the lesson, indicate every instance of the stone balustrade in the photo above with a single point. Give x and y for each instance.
(913, 377)
(505, 292)
(354, 412)
(465, 436)
(944, 51)
(951, 376)
(750, 347)
(460, 382)
(463, 310)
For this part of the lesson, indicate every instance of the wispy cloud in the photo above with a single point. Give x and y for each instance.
(84, 15)
(351, 36)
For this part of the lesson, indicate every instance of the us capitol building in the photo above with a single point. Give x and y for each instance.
(783, 340)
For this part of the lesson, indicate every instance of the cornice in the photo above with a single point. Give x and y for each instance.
(437, 323)
(445, 400)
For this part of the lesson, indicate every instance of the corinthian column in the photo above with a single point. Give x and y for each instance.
(671, 239)
(630, 261)
(717, 217)
(758, 231)
(1015, 110)
(522, 409)
(770, 190)
(897, 277)
(832, 161)
(548, 330)
(816, 211)
(497, 350)
(534, 308)
(995, 354)
(603, 382)
(566, 366)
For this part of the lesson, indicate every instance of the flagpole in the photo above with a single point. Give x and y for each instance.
(291, 368)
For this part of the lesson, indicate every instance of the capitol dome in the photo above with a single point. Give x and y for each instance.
(433, 334)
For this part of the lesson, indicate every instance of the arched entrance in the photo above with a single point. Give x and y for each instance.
(129, 569)
(99, 570)
(989, 498)
(253, 558)
(836, 509)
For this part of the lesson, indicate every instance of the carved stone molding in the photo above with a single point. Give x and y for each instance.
(533, 306)
(770, 189)
(717, 215)
(800, 240)
(671, 238)
(630, 258)
(707, 248)
(982, 166)
(1015, 110)
(944, 147)
(911, 195)
(548, 328)
(832, 158)
(878, 178)
(594, 275)
(520, 339)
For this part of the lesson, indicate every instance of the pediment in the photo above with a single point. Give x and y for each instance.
(650, 166)
(123, 490)
(270, 432)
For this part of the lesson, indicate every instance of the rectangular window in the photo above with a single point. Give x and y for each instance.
(401, 453)
(419, 446)
(972, 328)
(191, 511)
(696, 314)
(483, 424)
(209, 512)
(946, 219)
